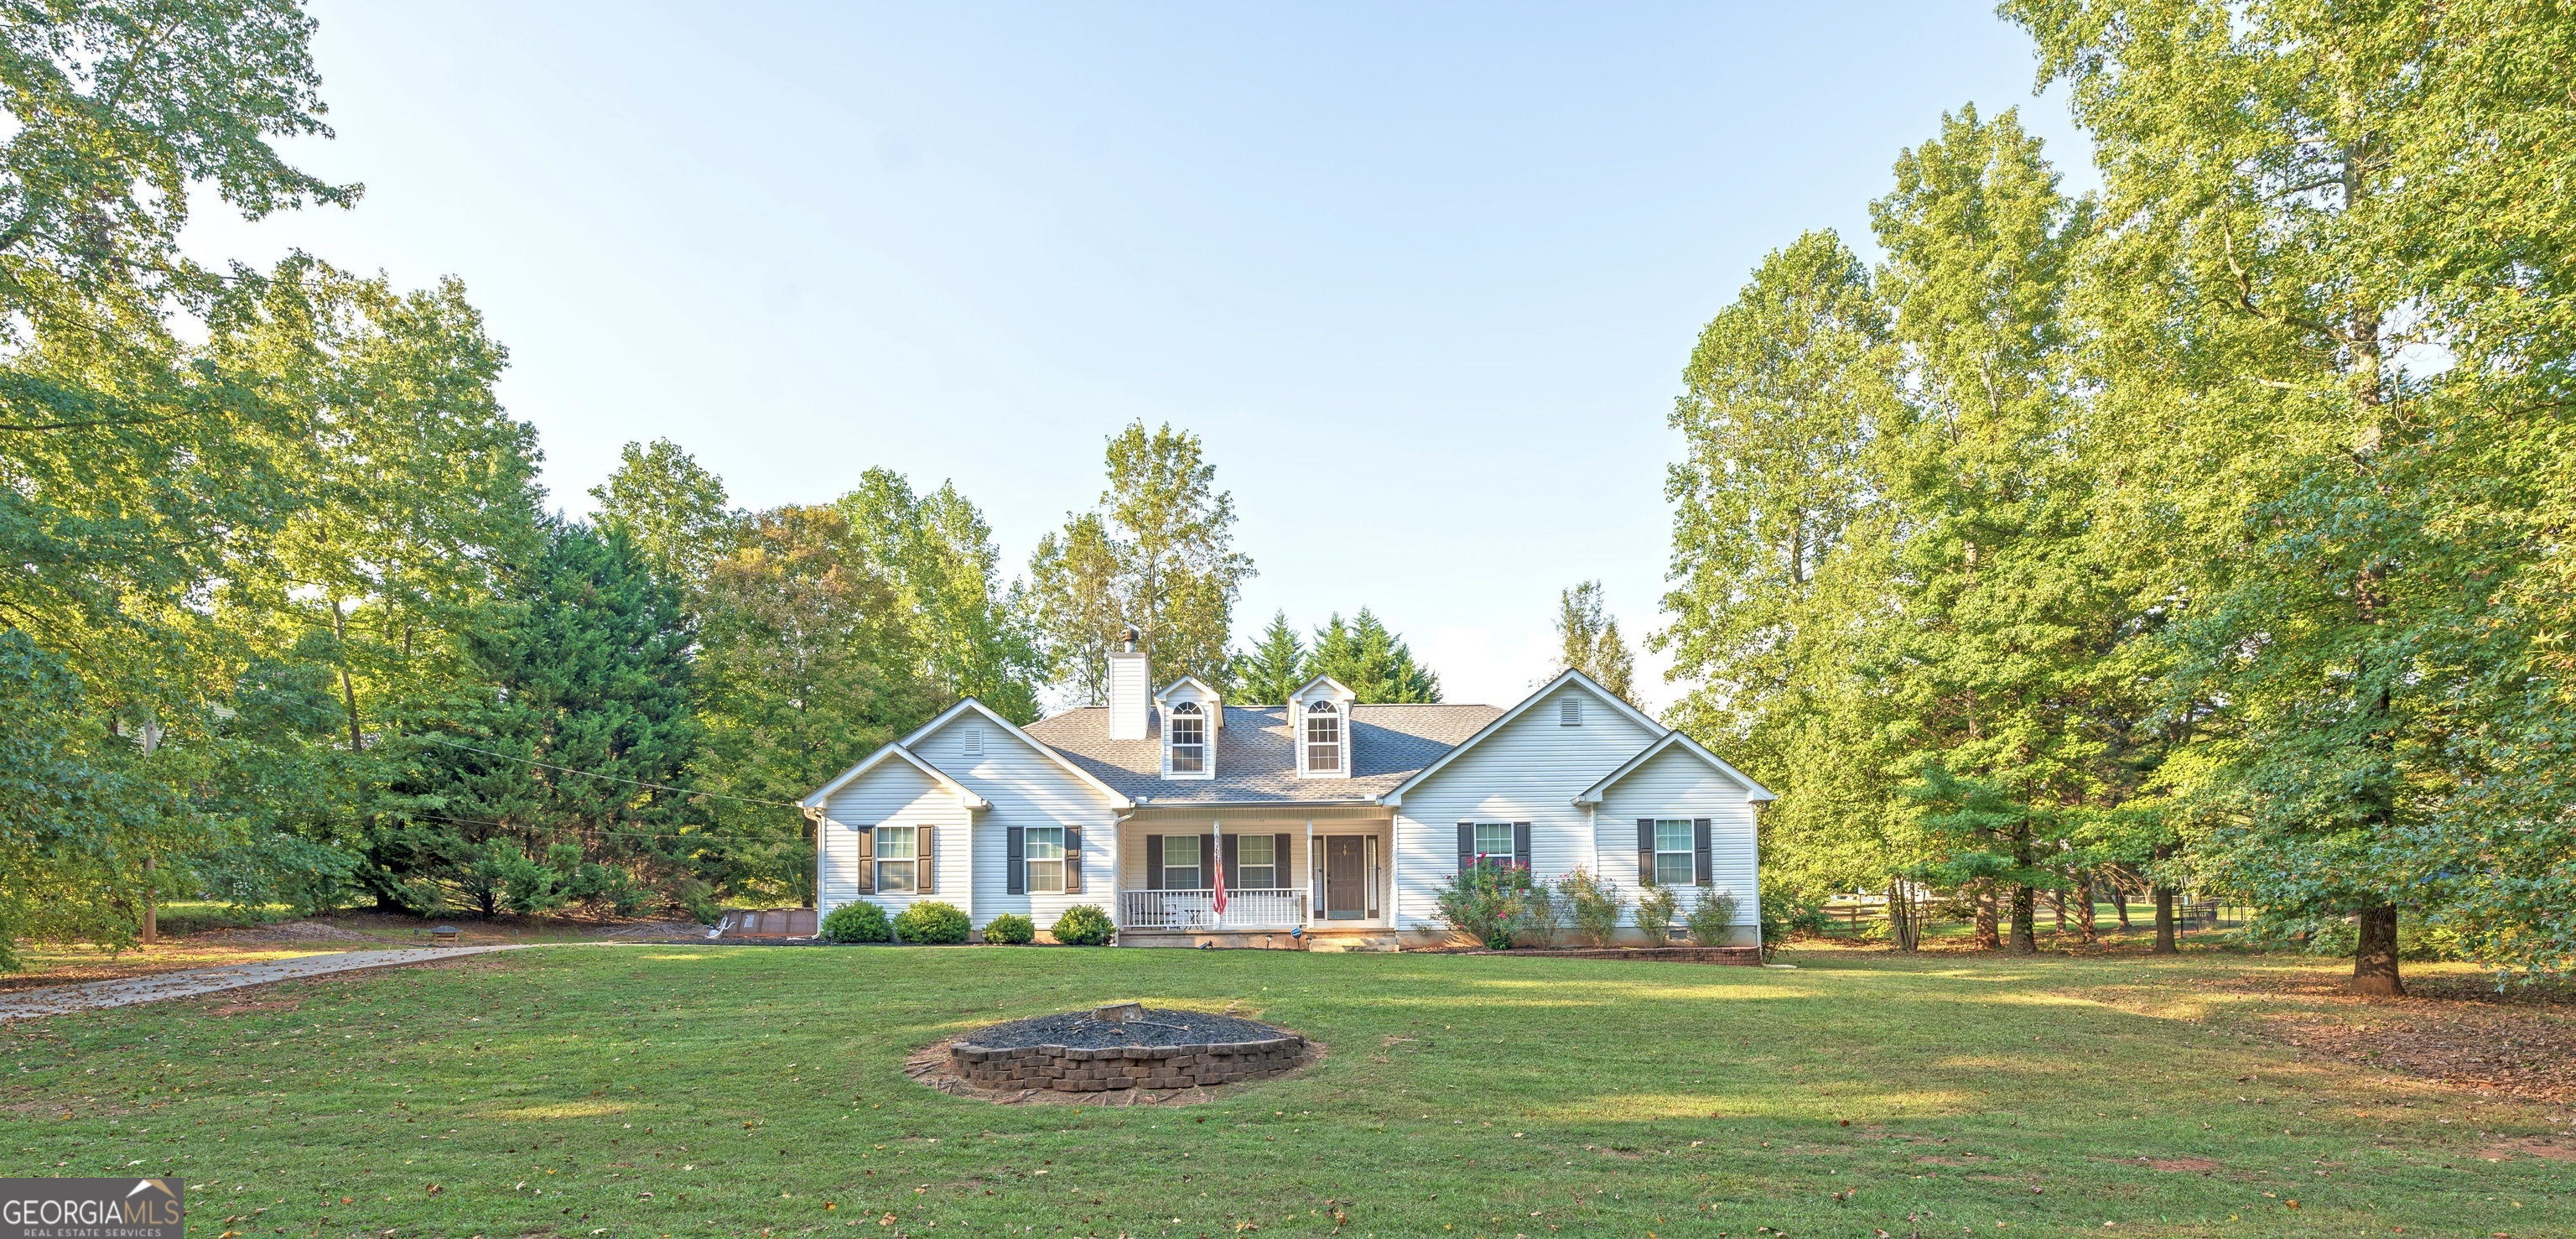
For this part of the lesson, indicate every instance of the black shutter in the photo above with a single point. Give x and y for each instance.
(925, 864)
(1153, 862)
(1645, 851)
(1015, 861)
(867, 860)
(1073, 860)
(1207, 862)
(1521, 844)
(1285, 878)
(1703, 870)
(1466, 846)
(1234, 862)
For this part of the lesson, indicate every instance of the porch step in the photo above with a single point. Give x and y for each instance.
(1331, 942)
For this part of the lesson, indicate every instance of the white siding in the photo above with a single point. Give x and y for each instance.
(1027, 788)
(894, 794)
(1676, 783)
(1530, 771)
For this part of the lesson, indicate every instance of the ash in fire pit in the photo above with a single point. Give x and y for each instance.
(1124, 1046)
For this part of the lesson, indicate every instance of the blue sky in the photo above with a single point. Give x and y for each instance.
(1424, 278)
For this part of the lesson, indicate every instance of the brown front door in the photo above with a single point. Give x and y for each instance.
(1345, 878)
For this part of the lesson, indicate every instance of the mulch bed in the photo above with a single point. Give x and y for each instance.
(1082, 1030)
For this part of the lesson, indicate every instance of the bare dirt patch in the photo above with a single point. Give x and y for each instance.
(2180, 1165)
(2541, 1147)
(280, 1005)
(931, 1067)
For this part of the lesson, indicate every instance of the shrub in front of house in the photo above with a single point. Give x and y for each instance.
(1655, 912)
(855, 922)
(1595, 905)
(931, 923)
(1712, 920)
(1083, 925)
(1489, 903)
(1011, 929)
(1543, 913)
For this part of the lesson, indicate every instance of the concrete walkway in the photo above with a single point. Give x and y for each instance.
(63, 999)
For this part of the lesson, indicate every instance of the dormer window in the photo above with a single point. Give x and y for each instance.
(1323, 738)
(1189, 739)
(1318, 722)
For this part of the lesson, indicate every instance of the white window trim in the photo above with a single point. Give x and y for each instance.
(1340, 714)
(911, 860)
(1243, 862)
(1200, 864)
(1206, 744)
(1689, 852)
(1510, 855)
(1034, 865)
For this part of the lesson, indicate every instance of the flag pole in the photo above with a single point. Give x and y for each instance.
(1217, 863)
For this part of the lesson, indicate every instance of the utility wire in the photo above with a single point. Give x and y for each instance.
(707, 836)
(659, 787)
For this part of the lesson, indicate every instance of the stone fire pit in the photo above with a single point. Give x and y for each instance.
(1126, 1046)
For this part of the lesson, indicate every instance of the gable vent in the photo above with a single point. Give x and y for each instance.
(974, 741)
(1569, 713)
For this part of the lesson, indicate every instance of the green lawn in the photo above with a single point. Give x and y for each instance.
(647, 1091)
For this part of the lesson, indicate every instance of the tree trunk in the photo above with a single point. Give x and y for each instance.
(2374, 964)
(2120, 894)
(2084, 925)
(2025, 898)
(348, 688)
(2057, 908)
(2165, 944)
(1989, 938)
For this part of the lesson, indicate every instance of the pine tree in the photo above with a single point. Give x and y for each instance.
(586, 659)
(1372, 662)
(1273, 669)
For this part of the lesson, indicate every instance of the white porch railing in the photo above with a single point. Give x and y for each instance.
(1258, 908)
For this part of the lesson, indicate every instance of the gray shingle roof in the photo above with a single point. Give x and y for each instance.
(1256, 756)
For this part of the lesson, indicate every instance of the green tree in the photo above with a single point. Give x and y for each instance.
(1159, 555)
(581, 728)
(1074, 588)
(1588, 641)
(133, 471)
(2334, 315)
(938, 554)
(1371, 661)
(2008, 620)
(670, 507)
(1275, 668)
(810, 662)
(1783, 591)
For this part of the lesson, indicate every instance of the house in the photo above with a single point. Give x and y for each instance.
(1337, 819)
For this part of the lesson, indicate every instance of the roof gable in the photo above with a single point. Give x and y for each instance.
(893, 752)
(1676, 739)
(1116, 797)
(1577, 678)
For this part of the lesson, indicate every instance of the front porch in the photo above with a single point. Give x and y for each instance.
(1326, 878)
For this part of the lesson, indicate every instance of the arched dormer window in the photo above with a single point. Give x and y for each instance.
(1323, 737)
(1188, 738)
